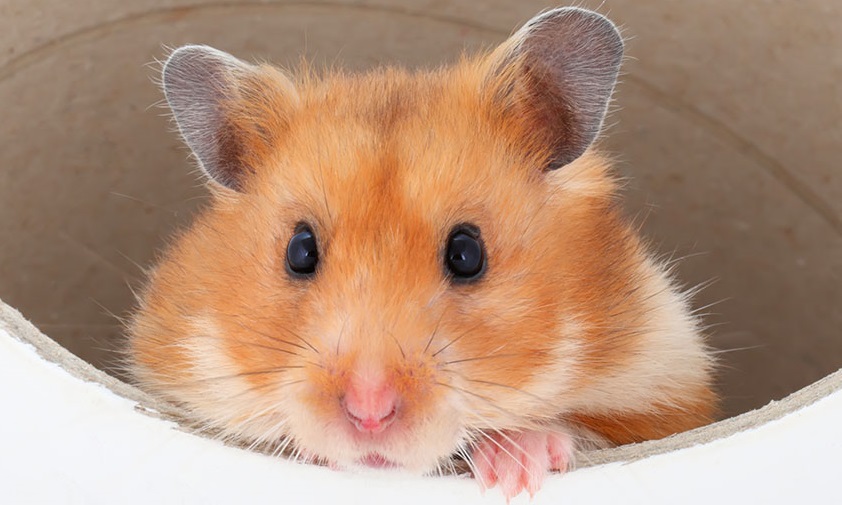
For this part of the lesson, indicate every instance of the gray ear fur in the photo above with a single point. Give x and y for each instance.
(568, 61)
(220, 105)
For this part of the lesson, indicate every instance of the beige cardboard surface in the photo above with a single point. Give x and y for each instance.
(727, 124)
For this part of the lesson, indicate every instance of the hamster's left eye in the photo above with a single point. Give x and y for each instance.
(303, 252)
(464, 256)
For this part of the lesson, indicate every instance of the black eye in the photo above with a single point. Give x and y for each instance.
(464, 256)
(302, 252)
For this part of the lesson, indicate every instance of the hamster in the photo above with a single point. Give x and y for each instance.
(402, 269)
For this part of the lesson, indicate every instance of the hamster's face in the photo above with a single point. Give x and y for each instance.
(381, 353)
(396, 271)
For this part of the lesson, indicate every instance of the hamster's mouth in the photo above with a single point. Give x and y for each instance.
(375, 460)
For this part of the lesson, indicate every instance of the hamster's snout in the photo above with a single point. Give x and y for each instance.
(375, 403)
(371, 406)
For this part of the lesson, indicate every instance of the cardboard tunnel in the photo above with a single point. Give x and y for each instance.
(726, 125)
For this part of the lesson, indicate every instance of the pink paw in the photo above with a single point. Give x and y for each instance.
(520, 460)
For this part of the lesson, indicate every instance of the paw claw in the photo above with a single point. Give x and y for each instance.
(518, 461)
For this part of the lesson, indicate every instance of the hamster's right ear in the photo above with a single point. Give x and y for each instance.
(556, 76)
(230, 113)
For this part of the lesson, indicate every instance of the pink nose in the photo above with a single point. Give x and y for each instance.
(370, 407)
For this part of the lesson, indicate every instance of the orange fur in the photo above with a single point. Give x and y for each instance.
(658, 422)
(383, 166)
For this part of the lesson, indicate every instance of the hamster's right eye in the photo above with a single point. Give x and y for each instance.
(302, 252)
(464, 254)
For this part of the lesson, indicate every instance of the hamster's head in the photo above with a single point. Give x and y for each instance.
(391, 263)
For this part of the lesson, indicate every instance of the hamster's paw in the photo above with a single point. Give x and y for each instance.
(520, 460)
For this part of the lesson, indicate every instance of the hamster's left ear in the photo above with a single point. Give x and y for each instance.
(230, 113)
(557, 73)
